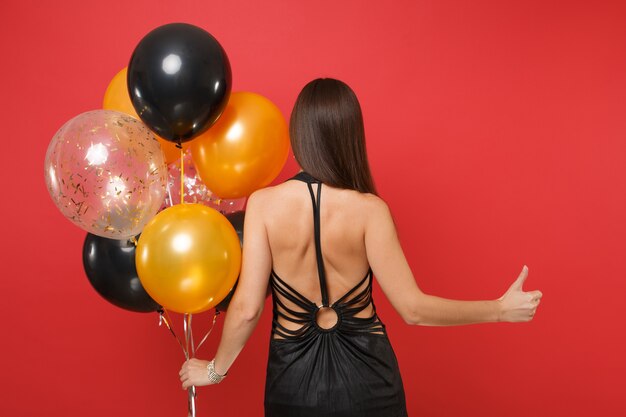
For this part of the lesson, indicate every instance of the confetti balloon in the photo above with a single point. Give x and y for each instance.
(195, 191)
(106, 172)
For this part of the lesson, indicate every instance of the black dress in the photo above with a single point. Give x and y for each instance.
(347, 370)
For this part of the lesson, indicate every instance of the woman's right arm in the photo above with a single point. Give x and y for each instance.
(392, 271)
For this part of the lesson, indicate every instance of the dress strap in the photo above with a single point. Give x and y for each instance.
(304, 177)
(321, 271)
(318, 245)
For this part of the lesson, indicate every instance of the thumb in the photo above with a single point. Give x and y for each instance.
(517, 285)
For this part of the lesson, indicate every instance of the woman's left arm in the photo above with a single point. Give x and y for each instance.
(246, 306)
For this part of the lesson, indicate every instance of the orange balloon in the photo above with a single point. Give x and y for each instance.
(117, 98)
(188, 258)
(245, 149)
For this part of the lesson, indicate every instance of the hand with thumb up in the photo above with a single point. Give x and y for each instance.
(517, 305)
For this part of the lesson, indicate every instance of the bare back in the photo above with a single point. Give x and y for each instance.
(290, 230)
(329, 351)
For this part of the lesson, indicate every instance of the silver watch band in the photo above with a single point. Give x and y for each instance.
(214, 377)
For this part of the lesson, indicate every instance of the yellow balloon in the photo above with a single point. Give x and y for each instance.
(117, 98)
(245, 149)
(188, 258)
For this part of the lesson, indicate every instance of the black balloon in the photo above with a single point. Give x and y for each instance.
(110, 268)
(236, 219)
(179, 80)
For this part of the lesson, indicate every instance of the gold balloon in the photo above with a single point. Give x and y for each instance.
(188, 258)
(117, 98)
(245, 149)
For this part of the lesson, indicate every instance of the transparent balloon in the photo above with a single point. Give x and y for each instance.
(195, 190)
(106, 172)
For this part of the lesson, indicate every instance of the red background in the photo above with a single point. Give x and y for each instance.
(495, 132)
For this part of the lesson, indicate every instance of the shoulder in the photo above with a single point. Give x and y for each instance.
(262, 195)
(268, 195)
(258, 195)
(374, 201)
(263, 199)
(380, 223)
(258, 199)
(376, 205)
(370, 207)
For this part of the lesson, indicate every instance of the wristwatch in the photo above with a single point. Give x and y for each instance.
(214, 377)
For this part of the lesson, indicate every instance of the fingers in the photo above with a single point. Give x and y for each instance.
(522, 276)
(184, 367)
(184, 373)
(187, 364)
(524, 272)
(534, 303)
(519, 281)
(533, 300)
(535, 296)
(187, 380)
(528, 309)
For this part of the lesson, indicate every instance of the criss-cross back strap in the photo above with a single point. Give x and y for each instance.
(302, 311)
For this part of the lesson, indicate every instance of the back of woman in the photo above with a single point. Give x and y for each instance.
(289, 224)
(329, 352)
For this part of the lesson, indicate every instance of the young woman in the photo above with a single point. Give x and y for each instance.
(329, 352)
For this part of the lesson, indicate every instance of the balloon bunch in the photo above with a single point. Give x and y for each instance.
(158, 178)
(194, 190)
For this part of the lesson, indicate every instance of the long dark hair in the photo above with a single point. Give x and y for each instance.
(327, 135)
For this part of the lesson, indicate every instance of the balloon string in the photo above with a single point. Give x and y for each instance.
(186, 334)
(217, 313)
(189, 335)
(191, 391)
(165, 318)
(191, 401)
(191, 342)
(182, 175)
(187, 347)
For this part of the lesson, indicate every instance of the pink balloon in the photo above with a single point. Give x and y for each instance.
(195, 190)
(106, 172)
